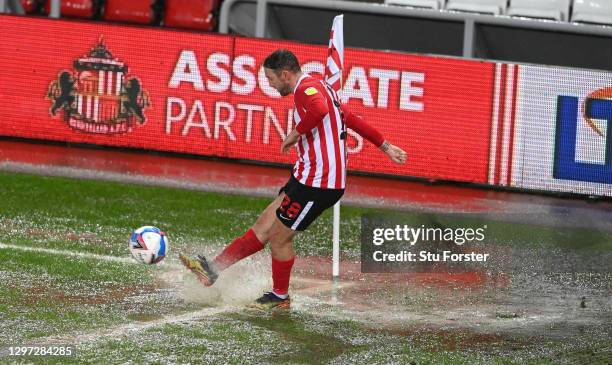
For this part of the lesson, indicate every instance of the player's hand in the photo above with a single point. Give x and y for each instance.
(291, 139)
(395, 153)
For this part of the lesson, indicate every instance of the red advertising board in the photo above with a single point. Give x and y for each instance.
(206, 94)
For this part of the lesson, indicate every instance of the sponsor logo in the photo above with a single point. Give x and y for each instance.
(583, 141)
(98, 95)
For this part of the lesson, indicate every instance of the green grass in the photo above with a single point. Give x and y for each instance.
(97, 217)
(82, 269)
(286, 338)
(46, 294)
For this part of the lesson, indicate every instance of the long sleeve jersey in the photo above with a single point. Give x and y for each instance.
(321, 145)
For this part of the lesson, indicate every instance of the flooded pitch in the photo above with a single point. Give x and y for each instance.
(520, 307)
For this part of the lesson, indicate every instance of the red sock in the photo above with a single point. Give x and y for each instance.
(241, 247)
(281, 272)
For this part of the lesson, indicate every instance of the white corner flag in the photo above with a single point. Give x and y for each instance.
(333, 76)
(335, 54)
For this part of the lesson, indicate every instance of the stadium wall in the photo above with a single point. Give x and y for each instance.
(459, 120)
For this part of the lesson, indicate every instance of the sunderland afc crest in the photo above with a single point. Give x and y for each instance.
(99, 96)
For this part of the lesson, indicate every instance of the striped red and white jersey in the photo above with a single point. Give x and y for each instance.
(321, 150)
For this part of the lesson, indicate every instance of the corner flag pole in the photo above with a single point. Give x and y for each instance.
(333, 76)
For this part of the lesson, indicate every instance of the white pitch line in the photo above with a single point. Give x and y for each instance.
(129, 260)
(87, 255)
(120, 330)
(125, 329)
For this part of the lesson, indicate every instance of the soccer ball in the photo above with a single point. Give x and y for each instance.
(148, 245)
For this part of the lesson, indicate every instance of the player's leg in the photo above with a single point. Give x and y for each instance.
(300, 207)
(283, 257)
(241, 247)
(252, 241)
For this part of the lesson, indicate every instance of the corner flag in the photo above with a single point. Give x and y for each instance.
(335, 54)
(333, 76)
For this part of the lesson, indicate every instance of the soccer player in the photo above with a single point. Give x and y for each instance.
(316, 183)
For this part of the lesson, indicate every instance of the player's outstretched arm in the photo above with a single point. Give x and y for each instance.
(395, 153)
(370, 133)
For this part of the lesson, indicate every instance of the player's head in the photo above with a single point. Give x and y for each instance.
(281, 67)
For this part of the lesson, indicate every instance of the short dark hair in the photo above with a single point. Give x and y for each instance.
(282, 59)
